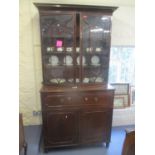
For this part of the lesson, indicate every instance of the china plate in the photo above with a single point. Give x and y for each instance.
(68, 60)
(53, 60)
(95, 60)
(83, 60)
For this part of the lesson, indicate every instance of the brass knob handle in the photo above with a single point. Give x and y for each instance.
(95, 99)
(69, 98)
(86, 98)
(66, 116)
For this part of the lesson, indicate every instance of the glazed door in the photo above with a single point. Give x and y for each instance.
(60, 128)
(95, 47)
(58, 47)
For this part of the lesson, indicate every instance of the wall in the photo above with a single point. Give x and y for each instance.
(30, 73)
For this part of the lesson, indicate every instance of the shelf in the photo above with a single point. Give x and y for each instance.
(61, 66)
(75, 52)
(95, 66)
(58, 53)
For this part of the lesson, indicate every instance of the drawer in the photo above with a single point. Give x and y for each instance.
(51, 100)
(98, 99)
(104, 99)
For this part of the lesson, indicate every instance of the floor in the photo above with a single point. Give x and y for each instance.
(32, 134)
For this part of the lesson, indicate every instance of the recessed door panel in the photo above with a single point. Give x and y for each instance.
(61, 128)
(93, 126)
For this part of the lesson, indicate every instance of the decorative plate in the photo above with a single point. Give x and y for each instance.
(83, 60)
(95, 60)
(68, 60)
(53, 60)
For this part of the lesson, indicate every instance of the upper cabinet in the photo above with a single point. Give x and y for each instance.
(75, 42)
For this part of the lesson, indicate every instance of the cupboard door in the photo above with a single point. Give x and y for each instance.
(95, 43)
(58, 45)
(94, 126)
(60, 128)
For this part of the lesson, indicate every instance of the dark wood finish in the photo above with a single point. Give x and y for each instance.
(76, 116)
(129, 143)
(66, 7)
(80, 35)
(61, 127)
(93, 125)
(22, 142)
(77, 103)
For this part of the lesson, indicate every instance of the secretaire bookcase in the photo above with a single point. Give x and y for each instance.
(77, 102)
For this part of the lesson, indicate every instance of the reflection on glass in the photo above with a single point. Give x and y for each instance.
(104, 18)
(96, 30)
(95, 43)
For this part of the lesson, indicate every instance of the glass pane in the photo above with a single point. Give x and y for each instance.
(95, 47)
(122, 65)
(57, 32)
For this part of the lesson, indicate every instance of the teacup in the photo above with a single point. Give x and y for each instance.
(98, 49)
(89, 49)
(69, 49)
(59, 49)
(48, 49)
(52, 49)
(77, 49)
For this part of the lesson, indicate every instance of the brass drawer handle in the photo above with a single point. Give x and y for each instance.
(69, 98)
(86, 98)
(66, 116)
(96, 99)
